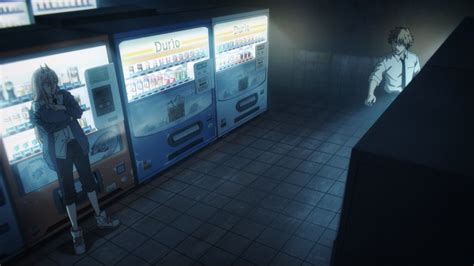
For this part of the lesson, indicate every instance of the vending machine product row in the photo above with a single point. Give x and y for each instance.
(83, 66)
(45, 7)
(167, 87)
(241, 67)
(14, 13)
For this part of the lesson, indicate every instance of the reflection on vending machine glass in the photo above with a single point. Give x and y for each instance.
(176, 108)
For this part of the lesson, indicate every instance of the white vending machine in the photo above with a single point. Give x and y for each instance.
(241, 67)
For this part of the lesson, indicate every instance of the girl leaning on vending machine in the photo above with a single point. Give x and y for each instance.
(54, 114)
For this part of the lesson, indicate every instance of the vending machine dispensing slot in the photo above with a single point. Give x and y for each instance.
(247, 102)
(246, 114)
(185, 134)
(178, 152)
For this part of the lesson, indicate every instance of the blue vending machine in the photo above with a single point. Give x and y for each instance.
(167, 88)
(10, 237)
(241, 67)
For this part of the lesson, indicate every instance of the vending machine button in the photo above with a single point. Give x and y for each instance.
(120, 168)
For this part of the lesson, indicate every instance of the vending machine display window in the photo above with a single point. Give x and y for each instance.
(14, 13)
(46, 7)
(159, 63)
(237, 42)
(23, 150)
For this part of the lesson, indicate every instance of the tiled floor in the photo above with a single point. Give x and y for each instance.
(268, 193)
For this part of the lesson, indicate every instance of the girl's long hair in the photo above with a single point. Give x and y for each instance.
(42, 75)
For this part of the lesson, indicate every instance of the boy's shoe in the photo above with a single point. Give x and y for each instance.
(78, 240)
(104, 221)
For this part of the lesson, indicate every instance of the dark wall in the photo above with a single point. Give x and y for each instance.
(307, 36)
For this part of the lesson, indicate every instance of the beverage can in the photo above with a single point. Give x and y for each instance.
(146, 84)
(159, 80)
(139, 86)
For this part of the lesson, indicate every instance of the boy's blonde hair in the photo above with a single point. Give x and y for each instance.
(401, 35)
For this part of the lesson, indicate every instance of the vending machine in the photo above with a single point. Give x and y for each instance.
(167, 87)
(11, 241)
(241, 67)
(83, 68)
(14, 13)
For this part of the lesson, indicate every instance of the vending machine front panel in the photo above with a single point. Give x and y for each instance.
(169, 84)
(241, 68)
(30, 178)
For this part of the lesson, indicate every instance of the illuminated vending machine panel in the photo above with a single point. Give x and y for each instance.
(14, 13)
(46, 7)
(34, 185)
(168, 85)
(241, 65)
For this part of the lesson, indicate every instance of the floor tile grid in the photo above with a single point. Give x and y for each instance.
(266, 131)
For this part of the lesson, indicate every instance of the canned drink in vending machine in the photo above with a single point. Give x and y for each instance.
(139, 87)
(146, 84)
(131, 89)
(159, 80)
(131, 70)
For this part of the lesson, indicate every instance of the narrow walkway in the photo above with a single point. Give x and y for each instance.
(268, 193)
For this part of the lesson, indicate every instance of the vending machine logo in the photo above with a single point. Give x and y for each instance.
(239, 29)
(167, 45)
